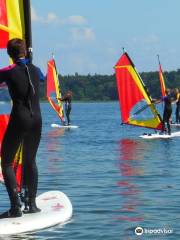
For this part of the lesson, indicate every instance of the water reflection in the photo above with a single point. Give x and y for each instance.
(53, 140)
(131, 154)
(54, 148)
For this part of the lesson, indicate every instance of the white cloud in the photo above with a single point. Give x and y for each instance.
(76, 20)
(34, 15)
(152, 39)
(146, 39)
(82, 34)
(52, 18)
(111, 51)
(82, 63)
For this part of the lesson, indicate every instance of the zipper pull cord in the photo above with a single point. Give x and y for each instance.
(29, 78)
(32, 87)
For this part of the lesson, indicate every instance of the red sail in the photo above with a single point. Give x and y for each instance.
(4, 21)
(3, 125)
(53, 89)
(133, 96)
(14, 24)
(127, 86)
(11, 20)
(162, 82)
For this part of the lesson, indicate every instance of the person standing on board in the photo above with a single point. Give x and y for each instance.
(168, 100)
(67, 99)
(24, 127)
(177, 113)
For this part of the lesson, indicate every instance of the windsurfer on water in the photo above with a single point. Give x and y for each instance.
(177, 113)
(168, 100)
(67, 99)
(24, 127)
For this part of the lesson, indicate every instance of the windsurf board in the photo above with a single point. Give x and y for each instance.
(55, 206)
(54, 125)
(1, 176)
(175, 124)
(158, 135)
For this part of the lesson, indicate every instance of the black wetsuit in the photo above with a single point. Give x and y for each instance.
(167, 113)
(178, 108)
(22, 79)
(67, 99)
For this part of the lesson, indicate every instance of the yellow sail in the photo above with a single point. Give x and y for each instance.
(53, 91)
(11, 21)
(14, 23)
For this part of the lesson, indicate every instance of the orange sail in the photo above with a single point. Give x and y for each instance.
(161, 79)
(53, 91)
(135, 102)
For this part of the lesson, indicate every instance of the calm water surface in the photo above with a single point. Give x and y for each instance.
(115, 180)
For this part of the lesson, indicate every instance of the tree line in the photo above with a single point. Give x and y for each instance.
(103, 87)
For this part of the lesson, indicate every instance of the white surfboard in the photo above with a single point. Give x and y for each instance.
(54, 125)
(1, 176)
(175, 124)
(157, 135)
(55, 208)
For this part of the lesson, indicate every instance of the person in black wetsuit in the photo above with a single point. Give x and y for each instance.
(168, 100)
(67, 99)
(177, 113)
(24, 127)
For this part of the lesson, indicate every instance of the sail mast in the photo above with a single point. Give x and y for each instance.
(28, 32)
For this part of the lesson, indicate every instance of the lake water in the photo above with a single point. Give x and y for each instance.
(115, 180)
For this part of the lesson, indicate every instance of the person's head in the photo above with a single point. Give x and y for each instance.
(176, 90)
(168, 91)
(16, 48)
(69, 93)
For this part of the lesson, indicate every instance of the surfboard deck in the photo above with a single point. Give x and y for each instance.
(54, 125)
(175, 124)
(55, 206)
(157, 135)
(1, 176)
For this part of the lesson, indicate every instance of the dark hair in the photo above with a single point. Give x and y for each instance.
(16, 48)
(168, 91)
(69, 93)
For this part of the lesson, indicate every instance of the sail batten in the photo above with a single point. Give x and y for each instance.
(134, 97)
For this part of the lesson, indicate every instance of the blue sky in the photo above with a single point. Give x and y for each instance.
(88, 36)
